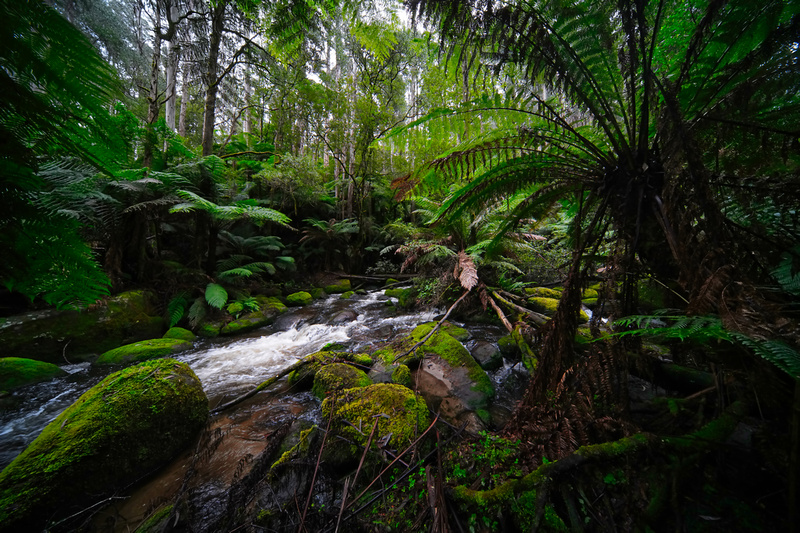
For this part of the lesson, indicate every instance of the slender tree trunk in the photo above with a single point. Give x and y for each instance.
(248, 101)
(211, 80)
(172, 73)
(184, 102)
(153, 106)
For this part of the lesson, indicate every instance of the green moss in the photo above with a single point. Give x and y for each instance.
(337, 377)
(299, 298)
(452, 351)
(17, 371)
(508, 346)
(343, 285)
(300, 449)
(208, 329)
(406, 298)
(317, 293)
(391, 281)
(273, 303)
(153, 523)
(347, 295)
(401, 375)
(589, 302)
(458, 333)
(180, 333)
(546, 306)
(142, 351)
(543, 292)
(406, 414)
(313, 362)
(590, 293)
(129, 424)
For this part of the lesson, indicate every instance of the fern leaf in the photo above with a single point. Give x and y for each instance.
(176, 308)
(216, 295)
(466, 272)
(197, 312)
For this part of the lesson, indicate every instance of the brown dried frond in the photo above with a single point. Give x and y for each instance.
(465, 271)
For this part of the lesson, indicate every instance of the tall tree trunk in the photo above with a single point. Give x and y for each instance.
(248, 101)
(211, 80)
(184, 102)
(172, 73)
(153, 106)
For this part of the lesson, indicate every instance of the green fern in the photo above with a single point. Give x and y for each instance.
(176, 308)
(198, 311)
(703, 329)
(216, 295)
(786, 274)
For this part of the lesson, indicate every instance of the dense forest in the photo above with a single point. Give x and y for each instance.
(516, 164)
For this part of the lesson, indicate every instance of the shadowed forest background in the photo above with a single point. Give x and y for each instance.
(516, 163)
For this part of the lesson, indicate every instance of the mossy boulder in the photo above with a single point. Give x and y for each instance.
(317, 293)
(406, 298)
(143, 351)
(209, 329)
(590, 293)
(458, 333)
(337, 377)
(543, 292)
(270, 308)
(180, 333)
(340, 286)
(50, 335)
(401, 416)
(129, 424)
(402, 376)
(16, 372)
(347, 295)
(304, 376)
(508, 346)
(299, 298)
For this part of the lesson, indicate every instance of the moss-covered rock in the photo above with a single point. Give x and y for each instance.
(180, 333)
(80, 335)
(299, 298)
(337, 377)
(458, 333)
(401, 416)
(402, 376)
(304, 376)
(270, 308)
(590, 293)
(589, 302)
(209, 329)
(17, 371)
(543, 292)
(508, 346)
(391, 281)
(406, 298)
(317, 293)
(347, 295)
(142, 351)
(129, 424)
(342, 285)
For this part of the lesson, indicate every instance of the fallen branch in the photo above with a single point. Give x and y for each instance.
(537, 318)
(435, 328)
(500, 314)
(260, 387)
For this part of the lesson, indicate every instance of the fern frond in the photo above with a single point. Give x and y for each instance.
(216, 295)
(176, 308)
(197, 311)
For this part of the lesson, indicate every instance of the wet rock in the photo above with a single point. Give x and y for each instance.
(347, 315)
(17, 372)
(304, 376)
(406, 298)
(142, 351)
(270, 308)
(487, 355)
(51, 335)
(347, 295)
(123, 428)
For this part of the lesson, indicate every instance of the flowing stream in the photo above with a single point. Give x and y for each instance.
(226, 367)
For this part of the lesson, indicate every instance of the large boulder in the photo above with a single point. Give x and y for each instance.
(448, 377)
(312, 363)
(336, 377)
(142, 351)
(401, 414)
(299, 298)
(51, 335)
(17, 372)
(129, 424)
(270, 307)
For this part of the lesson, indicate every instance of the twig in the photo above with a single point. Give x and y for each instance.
(64, 352)
(435, 328)
(358, 470)
(316, 468)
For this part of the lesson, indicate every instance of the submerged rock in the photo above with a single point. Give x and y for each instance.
(142, 351)
(487, 354)
(129, 424)
(16, 372)
(51, 335)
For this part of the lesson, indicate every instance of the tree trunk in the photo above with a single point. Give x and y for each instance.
(184, 101)
(172, 98)
(153, 106)
(210, 77)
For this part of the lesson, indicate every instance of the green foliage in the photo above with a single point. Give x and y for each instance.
(703, 329)
(176, 307)
(786, 274)
(216, 295)
(197, 311)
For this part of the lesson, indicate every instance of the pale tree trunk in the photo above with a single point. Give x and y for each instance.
(172, 73)
(184, 102)
(153, 106)
(248, 102)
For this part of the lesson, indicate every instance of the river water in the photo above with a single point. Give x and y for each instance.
(226, 367)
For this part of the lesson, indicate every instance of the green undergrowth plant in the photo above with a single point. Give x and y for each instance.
(705, 329)
(489, 461)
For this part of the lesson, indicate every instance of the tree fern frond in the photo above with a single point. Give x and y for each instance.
(197, 311)
(216, 295)
(176, 308)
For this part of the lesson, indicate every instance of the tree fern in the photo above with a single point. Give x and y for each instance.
(787, 276)
(197, 311)
(176, 308)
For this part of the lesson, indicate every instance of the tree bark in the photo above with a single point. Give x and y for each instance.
(210, 77)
